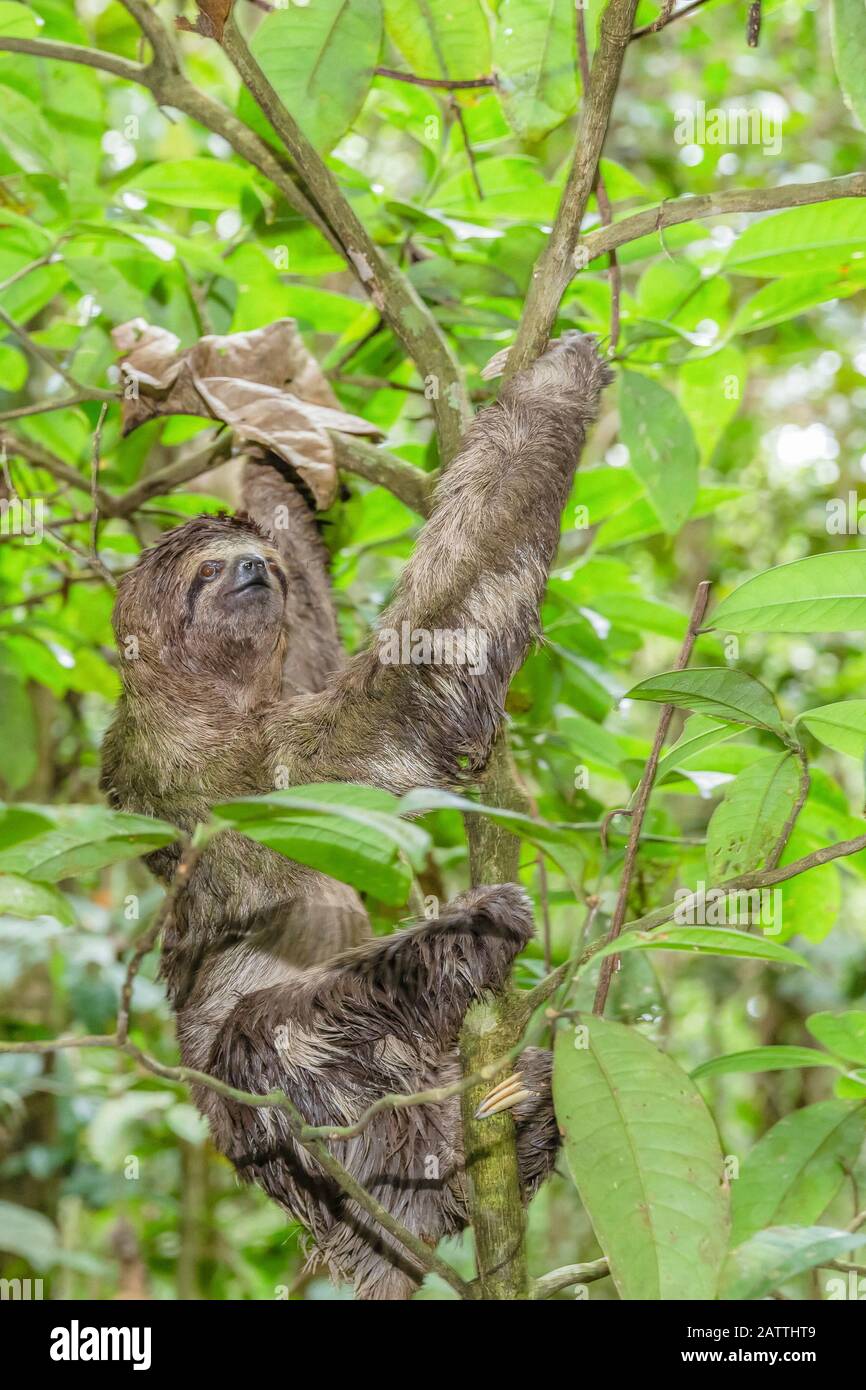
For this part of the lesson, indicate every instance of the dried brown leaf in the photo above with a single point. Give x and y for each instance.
(264, 384)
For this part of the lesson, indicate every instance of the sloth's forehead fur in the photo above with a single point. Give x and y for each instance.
(173, 562)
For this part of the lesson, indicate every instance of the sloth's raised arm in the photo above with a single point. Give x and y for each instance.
(422, 705)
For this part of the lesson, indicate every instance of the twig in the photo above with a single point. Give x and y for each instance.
(567, 1277)
(459, 85)
(93, 392)
(467, 144)
(94, 487)
(660, 916)
(408, 316)
(26, 269)
(44, 407)
(753, 24)
(608, 965)
(34, 600)
(654, 28)
(89, 559)
(803, 791)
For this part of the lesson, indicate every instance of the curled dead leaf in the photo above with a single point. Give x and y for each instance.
(212, 16)
(265, 384)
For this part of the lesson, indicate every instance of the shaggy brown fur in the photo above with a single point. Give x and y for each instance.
(235, 683)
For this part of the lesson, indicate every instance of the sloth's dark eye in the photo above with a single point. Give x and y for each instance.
(209, 569)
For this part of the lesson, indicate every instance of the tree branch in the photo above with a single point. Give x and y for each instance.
(567, 1277)
(408, 483)
(644, 793)
(555, 266)
(406, 313)
(690, 209)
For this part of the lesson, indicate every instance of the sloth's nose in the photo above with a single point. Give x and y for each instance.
(251, 569)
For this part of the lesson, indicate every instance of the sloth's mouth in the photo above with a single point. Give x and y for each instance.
(259, 582)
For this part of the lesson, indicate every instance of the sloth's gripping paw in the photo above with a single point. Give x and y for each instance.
(504, 1096)
(571, 368)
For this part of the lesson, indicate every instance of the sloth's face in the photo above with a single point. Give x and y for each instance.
(235, 587)
(211, 596)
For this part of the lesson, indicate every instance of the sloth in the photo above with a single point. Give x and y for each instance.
(234, 682)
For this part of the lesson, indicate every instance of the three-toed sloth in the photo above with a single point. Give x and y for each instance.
(238, 683)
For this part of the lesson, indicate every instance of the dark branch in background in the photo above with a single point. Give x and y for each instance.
(644, 792)
(555, 266)
(753, 24)
(444, 82)
(654, 28)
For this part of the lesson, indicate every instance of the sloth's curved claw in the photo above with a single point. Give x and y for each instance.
(504, 1096)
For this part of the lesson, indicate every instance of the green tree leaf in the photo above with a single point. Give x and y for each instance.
(27, 135)
(796, 1168)
(716, 691)
(822, 593)
(823, 237)
(319, 58)
(211, 184)
(699, 733)
(841, 725)
(644, 1154)
(760, 1059)
(773, 1257)
(747, 823)
(712, 390)
(848, 37)
(21, 898)
(439, 38)
(708, 941)
(843, 1033)
(780, 300)
(83, 839)
(28, 1234)
(535, 59)
(661, 446)
(19, 733)
(351, 833)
